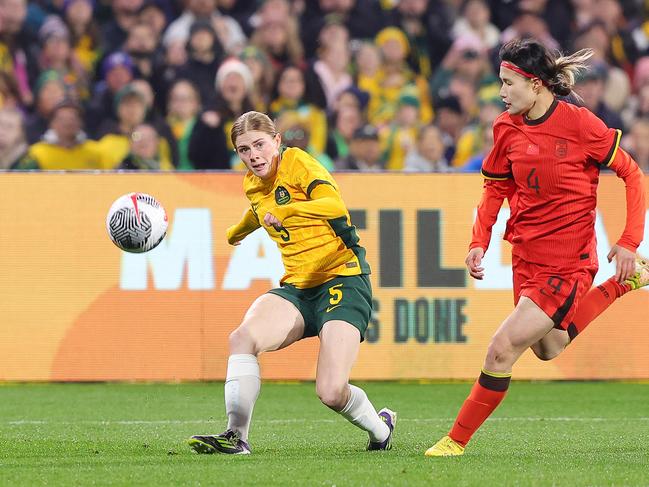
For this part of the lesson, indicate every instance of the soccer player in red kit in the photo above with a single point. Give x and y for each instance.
(546, 160)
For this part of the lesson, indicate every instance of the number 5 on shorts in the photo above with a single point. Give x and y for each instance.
(336, 294)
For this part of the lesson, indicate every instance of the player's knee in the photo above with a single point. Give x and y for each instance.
(332, 395)
(500, 352)
(241, 341)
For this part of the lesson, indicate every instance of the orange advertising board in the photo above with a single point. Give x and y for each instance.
(75, 308)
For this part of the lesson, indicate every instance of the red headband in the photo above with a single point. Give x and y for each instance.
(518, 70)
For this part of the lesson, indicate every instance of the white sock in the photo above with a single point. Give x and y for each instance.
(360, 412)
(242, 384)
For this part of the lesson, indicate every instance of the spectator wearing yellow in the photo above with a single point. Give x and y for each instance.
(144, 153)
(64, 146)
(471, 142)
(57, 54)
(16, 57)
(183, 107)
(367, 63)
(9, 92)
(450, 119)
(290, 96)
(131, 109)
(393, 77)
(426, 24)
(296, 132)
(474, 164)
(401, 135)
(84, 31)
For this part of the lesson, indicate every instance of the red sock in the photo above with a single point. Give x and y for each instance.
(594, 303)
(485, 396)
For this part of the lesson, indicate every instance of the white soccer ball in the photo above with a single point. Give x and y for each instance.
(136, 222)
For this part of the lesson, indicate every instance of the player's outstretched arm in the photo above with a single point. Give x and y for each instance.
(493, 194)
(248, 224)
(627, 169)
(325, 203)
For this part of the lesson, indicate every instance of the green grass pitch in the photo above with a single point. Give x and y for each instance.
(545, 434)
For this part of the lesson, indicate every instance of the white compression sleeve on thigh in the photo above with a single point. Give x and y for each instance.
(242, 385)
(359, 411)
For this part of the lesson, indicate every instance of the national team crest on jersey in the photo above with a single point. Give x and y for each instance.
(282, 196)
(561, 148)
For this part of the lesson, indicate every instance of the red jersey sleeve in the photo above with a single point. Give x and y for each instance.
(493, 194)
(496, 166)
(600, 142)
(627, 169)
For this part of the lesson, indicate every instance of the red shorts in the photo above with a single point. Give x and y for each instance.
(557, 291)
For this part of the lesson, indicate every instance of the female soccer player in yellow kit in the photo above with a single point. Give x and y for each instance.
(325, 291)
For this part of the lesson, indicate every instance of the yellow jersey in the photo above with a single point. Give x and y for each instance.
(317, 240)
(52, 157)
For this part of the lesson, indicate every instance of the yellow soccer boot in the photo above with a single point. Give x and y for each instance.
(446, 447)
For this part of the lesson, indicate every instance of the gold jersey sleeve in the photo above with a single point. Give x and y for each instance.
(317, 240)
(241, 230)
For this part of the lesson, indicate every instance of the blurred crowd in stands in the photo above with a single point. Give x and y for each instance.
(363, 85)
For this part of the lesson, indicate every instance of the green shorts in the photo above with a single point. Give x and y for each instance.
(346, 298)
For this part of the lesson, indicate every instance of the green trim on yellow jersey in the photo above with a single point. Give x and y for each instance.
(313, 184)
(350, 238)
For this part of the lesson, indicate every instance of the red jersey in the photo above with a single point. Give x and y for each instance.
(549, 169)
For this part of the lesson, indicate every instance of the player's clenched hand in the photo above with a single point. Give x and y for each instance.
(473, 262)
(624, 262)
(271, 220)
(229, 234)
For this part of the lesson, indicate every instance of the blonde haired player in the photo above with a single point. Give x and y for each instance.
(325, 291)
